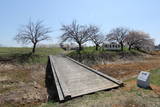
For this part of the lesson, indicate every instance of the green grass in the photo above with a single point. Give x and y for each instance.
(49, 104)
(92, 50)
(155, 77)
(24, 56)
(91, 56)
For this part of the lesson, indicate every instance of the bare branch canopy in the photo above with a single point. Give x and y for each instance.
(118, 35)
(33, 33)
(96, 36)
(139, 40)
(75, 32)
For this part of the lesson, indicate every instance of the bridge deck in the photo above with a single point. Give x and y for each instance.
(76, 80)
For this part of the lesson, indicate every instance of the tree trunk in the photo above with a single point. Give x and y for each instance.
(97, 47)
(122, 46)
(34, 48)
(130, 47)
(79, 52)
(80, 47)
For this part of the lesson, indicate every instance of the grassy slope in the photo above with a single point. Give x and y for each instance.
(23, 55)
(90, 56)
(92, 50)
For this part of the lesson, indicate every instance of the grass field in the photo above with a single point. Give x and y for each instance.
(23, 55)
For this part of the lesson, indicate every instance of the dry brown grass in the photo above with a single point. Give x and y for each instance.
(22, 85)
(124, 70)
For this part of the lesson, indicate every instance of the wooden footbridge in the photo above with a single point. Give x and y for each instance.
(74, 79)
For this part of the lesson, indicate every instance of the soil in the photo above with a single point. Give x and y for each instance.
(125, 70)
(22, 85)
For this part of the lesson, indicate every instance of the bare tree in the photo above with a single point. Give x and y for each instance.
(140, 40)
(133, 38)
(33, 33)
(95, 36)
(75, 32)
(118, 35)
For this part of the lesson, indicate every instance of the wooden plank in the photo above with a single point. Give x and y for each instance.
(76, 80)
(59, 90)
(97, 72)
(64, 87)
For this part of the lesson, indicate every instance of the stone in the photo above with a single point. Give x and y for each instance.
(143, 79)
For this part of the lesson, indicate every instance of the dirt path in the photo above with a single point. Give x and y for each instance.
(123, 70)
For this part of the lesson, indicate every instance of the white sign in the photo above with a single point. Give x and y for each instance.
(143, 79)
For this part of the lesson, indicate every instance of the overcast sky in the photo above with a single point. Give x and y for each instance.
(107, 14)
